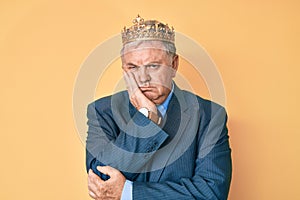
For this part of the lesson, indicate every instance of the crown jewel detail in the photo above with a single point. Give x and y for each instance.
(147, 30)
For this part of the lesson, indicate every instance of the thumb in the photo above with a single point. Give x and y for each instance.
(106, 170)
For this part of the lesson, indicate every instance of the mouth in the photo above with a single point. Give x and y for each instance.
(146, 89)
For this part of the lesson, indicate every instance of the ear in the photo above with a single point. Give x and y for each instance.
(175, 64)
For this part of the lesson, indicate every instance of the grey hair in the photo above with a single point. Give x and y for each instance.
(168, 46)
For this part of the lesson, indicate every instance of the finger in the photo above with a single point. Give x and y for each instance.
(92, 187)
(135, 90)
(107, 170)
(125, 75)
(132, 87)
(94, 177)
(92, 194)
(132, 79)
(128, 81)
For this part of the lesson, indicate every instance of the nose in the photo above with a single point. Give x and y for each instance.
(143, 76)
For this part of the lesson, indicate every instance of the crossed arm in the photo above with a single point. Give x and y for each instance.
(212, 172)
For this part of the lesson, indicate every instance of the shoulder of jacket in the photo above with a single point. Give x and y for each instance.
(205, 105)
(105, 101)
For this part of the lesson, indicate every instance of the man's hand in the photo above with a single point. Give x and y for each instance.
(110, 189)
(137, 98)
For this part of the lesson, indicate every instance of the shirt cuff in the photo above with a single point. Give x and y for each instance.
(127, 191)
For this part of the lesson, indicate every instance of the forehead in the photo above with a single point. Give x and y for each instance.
(144, 51)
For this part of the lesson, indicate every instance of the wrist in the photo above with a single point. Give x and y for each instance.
(153, 110)
(153, 116)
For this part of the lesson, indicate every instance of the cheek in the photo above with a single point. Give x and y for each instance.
(159, 81)
(161, 78)
(162, 87)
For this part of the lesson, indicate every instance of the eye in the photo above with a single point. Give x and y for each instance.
(132, 67)
(153, 66)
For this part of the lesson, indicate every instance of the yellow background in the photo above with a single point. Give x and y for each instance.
(255, 45)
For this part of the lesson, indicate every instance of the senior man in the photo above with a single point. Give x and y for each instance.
(156, 141)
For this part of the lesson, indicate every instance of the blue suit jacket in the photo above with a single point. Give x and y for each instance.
(186, 157)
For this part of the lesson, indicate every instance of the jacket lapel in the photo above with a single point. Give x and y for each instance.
(178, 119)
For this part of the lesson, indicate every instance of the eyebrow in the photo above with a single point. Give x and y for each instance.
(150, 63)
(132, 64)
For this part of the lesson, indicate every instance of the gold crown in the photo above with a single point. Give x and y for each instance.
(147, 30)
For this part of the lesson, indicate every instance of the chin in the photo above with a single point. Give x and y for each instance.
(150, 96)
(155, 96)
(157, 99)
(157, 102)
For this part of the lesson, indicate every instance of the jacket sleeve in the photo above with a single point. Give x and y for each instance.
(212, 174)
(108, 144)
